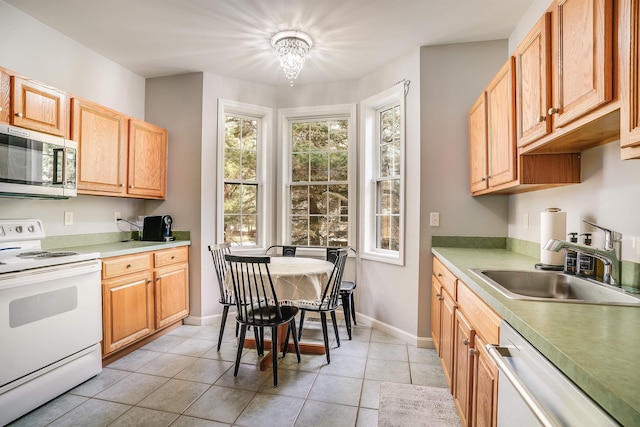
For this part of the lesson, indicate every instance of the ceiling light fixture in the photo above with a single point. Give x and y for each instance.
(292, 48)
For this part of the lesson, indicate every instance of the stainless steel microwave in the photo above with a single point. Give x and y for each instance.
(36, 165)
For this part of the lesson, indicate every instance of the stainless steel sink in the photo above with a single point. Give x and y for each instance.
(554, 286)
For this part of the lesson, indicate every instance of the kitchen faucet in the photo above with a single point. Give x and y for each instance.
(610, 255)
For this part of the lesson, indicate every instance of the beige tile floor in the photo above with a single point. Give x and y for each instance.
(181, 380)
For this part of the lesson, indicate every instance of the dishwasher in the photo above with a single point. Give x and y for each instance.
(533, 392)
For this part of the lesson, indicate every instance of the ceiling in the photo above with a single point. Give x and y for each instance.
(232, 37)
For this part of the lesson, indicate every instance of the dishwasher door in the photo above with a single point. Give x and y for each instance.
(533, 392)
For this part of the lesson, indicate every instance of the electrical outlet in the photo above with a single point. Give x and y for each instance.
(434, 219)
(117, 216)
(68, 218)
(525, 221)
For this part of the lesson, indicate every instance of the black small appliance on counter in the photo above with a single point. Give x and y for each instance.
(157, 228)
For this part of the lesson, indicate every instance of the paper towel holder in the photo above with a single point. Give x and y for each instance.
(550, 267)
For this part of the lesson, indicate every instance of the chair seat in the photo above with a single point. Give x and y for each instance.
(268, 315)
(347, 286)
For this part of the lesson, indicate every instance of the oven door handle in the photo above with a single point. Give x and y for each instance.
(498, 354)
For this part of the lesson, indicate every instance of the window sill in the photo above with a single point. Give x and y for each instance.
(388, 258)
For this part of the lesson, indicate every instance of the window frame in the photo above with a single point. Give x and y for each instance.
(264, 115)
(369, 174)
(286, 117)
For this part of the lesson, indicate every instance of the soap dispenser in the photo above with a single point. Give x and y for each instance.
(571, 256)
(586, 263)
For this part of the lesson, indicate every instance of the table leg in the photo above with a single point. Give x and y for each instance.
(305, 348)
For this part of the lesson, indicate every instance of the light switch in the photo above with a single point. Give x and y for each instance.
(434, 219)
(68, 218)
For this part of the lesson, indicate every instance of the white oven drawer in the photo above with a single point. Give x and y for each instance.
(46, 315)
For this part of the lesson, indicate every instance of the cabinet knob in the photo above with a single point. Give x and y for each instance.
(439, 275)
(121, 185)
(472, 351)
(19, 114)
(541, 119)
(129, 266)
(553, 111)
(465, 341)
(438, 295)
(173, 257)
(131, 186)
(441, 298)
(149, 281)
(157, 279)
(484, 178)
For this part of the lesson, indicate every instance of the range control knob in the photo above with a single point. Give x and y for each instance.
(19, 229)
(31, 229)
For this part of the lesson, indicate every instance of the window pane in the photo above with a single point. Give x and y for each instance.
(382, 235)
(317, 199)
(386, 160)
(384, 198)
(249, 230)
(232, 198)
(319, 135)
(339, 166)
(249, 199)
(299, 230)
(394, 233)
(338, 199)
(232, 132)
(317, 230)
(339, 135)
(338, 231)
(300, 137)
(249, 134)
(394, 196)
(319, 166)
(299, 167)
(299, 200)
(249, 164)
(232, 164)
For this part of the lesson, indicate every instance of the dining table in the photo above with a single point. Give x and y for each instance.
(297, 281)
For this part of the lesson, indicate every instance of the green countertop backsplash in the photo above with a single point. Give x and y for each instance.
(596, 346)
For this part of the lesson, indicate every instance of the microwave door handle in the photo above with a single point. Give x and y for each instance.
(497, 354)
(58, 166)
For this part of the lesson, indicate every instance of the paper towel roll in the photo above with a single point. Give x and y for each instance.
(553, 225)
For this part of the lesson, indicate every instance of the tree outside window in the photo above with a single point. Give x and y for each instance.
(240, 180)
(319, 188)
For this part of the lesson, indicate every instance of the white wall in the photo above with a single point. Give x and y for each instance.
(186, 105)
(34, 50)
(453, 76)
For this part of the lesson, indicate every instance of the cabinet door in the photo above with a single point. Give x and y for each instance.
(5, 97)
(500, 135)
(485, 387)
(630, 108)
(127, 310)
(533, 83)
(463, 366)
(38, 107)
(101, 134)
(171, 294)
(436, 302)
(446, 337)
(584, 43)
(147, 160)
(478, 144)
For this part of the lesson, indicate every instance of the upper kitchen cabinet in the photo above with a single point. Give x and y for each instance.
(119, 156)
(495, 167)
(491, 139)
(630, 84)
(102, 138)
(147, 160)
(533, 85)
(38, 107)
(565, 79)
(5, 96)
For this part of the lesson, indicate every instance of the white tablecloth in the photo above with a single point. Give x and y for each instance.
(297, 279)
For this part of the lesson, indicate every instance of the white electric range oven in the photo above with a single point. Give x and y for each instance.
(50, 319)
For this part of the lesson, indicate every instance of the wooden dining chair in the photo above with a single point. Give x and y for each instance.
(329, 301)
(258, 306)
(226, 297)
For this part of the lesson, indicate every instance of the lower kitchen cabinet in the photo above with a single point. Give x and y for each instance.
(142, 294)
(485, 387)
(464, 326)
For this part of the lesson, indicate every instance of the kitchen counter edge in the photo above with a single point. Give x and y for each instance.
(109, 250)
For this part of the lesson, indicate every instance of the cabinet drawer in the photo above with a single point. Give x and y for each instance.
(485, 321)
(445, 277)
(171, 256)
(118, 266)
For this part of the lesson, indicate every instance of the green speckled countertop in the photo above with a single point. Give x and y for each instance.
(596, 346)
(111, 244)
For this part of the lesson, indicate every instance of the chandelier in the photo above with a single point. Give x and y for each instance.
(292, 47)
